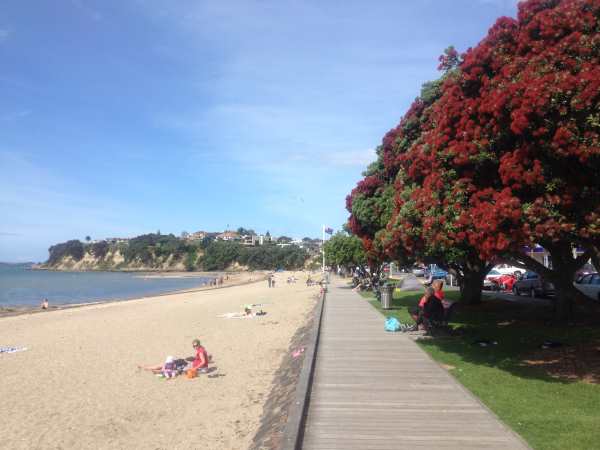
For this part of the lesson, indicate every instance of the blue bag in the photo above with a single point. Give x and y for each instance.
(392, 324)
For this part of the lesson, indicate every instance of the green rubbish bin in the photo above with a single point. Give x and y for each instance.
(387, 292)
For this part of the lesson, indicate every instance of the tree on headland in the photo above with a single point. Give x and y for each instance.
(99, 249)
(246, 231)
(88, 239)
(73, 249)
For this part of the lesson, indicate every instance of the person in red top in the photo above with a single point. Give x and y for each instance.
(418, 313)
(200, 362)
(438, 286)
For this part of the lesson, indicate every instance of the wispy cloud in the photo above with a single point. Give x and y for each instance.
(15, 115)
(41, 208)
(8, 233)
(89, 11)
(4, 34)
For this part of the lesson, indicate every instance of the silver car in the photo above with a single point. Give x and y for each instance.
(418, 271)
(590, 285)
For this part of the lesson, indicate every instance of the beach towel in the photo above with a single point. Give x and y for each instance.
(12, 349)
(236, 315)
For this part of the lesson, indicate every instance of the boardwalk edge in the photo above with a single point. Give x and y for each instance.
(294, 427)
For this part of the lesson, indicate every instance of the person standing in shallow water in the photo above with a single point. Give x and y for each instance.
(44, 304)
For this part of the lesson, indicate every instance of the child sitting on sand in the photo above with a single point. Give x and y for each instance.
(168, 370)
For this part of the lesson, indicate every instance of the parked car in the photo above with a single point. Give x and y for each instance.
(584, 270)
(489, 282)
(507, 269)
(532, 284)
(433, 272)
(498, 281)
(590, 285)
(418, 271)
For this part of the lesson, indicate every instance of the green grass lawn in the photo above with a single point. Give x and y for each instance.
(549, 413)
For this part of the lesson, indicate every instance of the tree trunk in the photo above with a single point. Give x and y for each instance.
(471, 285)
(561, 276)
(565, 294)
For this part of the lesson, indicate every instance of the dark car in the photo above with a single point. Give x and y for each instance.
(532, 284)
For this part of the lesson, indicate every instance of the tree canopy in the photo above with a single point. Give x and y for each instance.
(501, 152)
(345, 250)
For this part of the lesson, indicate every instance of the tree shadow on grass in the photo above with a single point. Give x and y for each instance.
(499, 333)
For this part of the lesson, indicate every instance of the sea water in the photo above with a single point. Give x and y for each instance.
(21, 286)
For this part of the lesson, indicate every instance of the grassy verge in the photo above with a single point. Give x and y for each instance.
(549, 412)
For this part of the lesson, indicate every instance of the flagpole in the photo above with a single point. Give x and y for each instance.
(323, 248)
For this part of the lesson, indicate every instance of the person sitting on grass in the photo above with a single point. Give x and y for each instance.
(430, 307)
(438, 287)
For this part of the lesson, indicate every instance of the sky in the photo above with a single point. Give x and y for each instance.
(124, 117)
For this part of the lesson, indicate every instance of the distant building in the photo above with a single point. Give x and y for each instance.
(116, 240)
(250, 240)
(197, 236)
(228, 236)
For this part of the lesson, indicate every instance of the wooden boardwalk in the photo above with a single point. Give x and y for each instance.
(374, 390)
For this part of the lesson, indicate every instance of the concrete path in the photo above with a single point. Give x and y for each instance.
(374, 390)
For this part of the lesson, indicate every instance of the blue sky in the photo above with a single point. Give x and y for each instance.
(125, 117)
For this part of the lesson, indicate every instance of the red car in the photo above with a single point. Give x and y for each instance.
(501, 282)
(506, 282)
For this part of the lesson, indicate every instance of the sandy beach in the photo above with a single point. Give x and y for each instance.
(77, 385)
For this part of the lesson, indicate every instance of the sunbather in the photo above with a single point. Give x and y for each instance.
(168, 369)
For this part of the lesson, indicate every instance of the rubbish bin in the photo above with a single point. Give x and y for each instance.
(387, 292)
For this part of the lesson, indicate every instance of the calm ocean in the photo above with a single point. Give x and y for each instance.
(22, 287)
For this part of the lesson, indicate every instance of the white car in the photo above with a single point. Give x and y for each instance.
(590, 285)
(506, 269)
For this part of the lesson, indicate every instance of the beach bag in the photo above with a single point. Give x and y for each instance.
(392, 324)
(191, 373)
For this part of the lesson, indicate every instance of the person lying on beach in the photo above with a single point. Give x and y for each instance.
(170, 368)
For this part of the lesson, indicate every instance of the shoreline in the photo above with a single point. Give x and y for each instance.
(12, 311)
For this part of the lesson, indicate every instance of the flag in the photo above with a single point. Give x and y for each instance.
(329, 230)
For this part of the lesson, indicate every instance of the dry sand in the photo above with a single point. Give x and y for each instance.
(77, 385)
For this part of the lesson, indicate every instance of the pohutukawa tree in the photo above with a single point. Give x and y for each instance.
(370, 206)
(506, 155)
(511, 150)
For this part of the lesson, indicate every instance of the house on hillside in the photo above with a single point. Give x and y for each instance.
(250, 240)
(197, 236)
(117, 240)
(228, 236)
